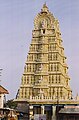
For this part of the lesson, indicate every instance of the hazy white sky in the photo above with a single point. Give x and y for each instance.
(16, 25)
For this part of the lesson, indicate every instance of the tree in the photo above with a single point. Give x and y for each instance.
(11, 104)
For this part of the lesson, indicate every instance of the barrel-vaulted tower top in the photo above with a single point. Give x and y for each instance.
(44, 19)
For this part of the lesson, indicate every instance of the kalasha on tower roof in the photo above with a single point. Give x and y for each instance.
(45, 8)
(3, 90)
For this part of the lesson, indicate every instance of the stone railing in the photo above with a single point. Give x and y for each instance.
(42, 98)
(49, 99)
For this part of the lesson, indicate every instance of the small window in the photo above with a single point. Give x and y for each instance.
(44, 31)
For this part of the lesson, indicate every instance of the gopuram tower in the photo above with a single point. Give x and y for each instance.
(45, 81)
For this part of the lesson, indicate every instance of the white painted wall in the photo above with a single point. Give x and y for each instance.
(1, 100)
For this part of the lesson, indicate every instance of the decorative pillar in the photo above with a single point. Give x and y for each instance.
(53, 112)
(42, 109)
(30, 112)
(35, 110)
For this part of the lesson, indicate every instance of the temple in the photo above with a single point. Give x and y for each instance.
(45, 81)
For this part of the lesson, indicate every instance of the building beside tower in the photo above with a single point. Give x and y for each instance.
(3, 91)
(45, 81)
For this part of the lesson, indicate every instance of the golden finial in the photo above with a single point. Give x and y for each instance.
(45, 8)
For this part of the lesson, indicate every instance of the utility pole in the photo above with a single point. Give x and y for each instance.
(0, 71)
(57, 110)
(0, 74)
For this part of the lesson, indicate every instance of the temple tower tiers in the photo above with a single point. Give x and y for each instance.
(46, 72)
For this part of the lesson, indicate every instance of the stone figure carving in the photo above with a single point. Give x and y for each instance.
(44, 23)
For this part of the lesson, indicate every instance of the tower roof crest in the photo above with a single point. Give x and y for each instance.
(44, 18)
(44, 8)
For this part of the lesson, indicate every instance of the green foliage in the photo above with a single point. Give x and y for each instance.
(11, 104)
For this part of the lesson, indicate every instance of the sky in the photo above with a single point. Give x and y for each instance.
(16, 25)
